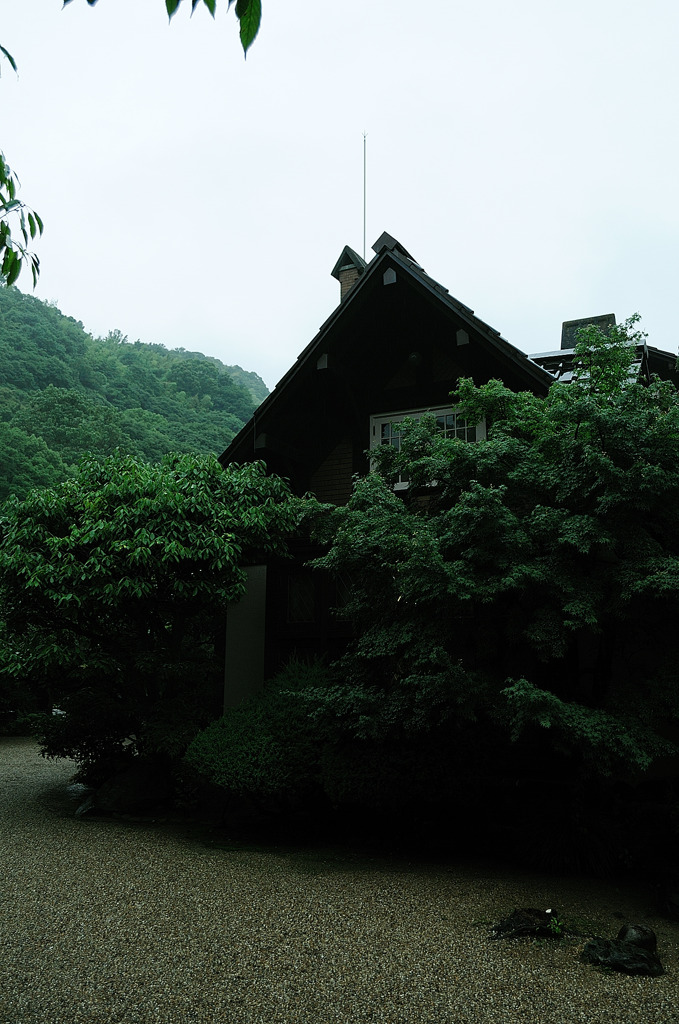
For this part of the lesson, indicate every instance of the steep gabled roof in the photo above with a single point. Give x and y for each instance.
(391, 260)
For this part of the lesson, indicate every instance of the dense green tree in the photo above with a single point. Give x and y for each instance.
(79, 394)
(113, 588)
(71, 423)
(247, 379)
(530, 580)
(27, 462)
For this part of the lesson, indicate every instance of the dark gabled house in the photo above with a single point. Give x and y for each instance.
(397, 342)
(395, 346)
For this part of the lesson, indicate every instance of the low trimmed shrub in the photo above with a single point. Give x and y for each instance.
(268, 746)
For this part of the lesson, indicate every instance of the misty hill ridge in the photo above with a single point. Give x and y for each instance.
(64, 393)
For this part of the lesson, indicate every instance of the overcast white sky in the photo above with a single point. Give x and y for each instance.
(524, 152)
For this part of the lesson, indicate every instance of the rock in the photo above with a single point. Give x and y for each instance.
(623, 956)
(638, 935)
(141, 788)
(528, 921)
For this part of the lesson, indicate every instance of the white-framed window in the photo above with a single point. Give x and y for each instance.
(387, 428)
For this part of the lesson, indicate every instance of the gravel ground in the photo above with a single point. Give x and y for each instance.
(113, 922)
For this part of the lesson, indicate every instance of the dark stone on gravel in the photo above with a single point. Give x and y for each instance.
(623, 956)
(639, 935)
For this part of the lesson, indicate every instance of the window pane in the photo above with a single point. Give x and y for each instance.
(447, 423)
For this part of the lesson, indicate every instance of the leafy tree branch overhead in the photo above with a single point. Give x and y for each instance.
(18, 226)
(248, 12)
(18, 223)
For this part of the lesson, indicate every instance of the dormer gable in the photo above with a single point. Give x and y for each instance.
(387, 241)
(347, 270)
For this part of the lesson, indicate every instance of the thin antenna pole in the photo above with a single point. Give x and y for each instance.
(365, 135)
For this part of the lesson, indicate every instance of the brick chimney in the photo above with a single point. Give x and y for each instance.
(570, 328)
(347, 270)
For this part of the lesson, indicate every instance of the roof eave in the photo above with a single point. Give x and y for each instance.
(541, 377)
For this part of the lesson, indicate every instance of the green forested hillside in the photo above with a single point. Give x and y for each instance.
(64, 393)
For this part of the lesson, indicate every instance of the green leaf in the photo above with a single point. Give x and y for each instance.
(15, 270)
(22, 221)
(249, 13)
(171, 6)
(211, 6)
(7, 261)
(35, 267)
(9, 57)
